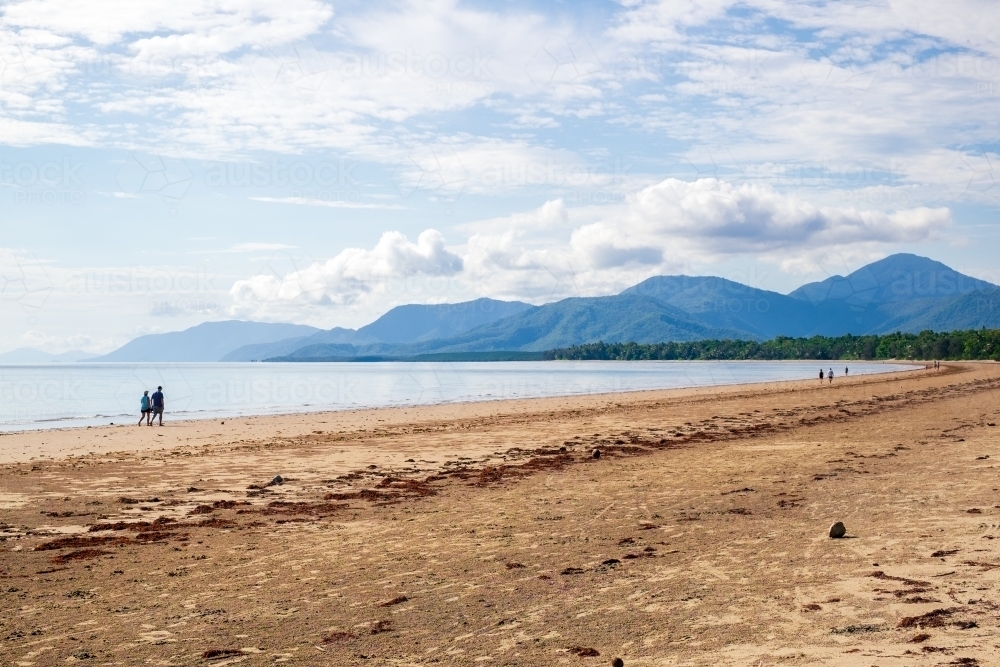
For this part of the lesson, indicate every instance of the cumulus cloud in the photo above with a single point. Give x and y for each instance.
(350, 275)
(725, 218)
(554, 252)
(550, 215)
(603, 246)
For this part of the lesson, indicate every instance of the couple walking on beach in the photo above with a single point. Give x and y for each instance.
(152, 406)
(829, 375)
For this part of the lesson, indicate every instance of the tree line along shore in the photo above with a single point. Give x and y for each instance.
(973, 344)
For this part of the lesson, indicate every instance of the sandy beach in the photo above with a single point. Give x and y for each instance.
(488, 533)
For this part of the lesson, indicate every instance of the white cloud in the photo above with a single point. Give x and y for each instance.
(726, 218)
(672, 226)
(554, 252)
(354, 273)
(33, 133)
(665, 21)
(550, 215)
(228, 77)
(169, 27)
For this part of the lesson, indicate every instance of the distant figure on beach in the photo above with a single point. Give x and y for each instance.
(821, 376)
(158, 404)
(829, 375)
(845, 371)
(144, 405)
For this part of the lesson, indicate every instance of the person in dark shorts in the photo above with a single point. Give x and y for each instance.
(821, 376)
(146, 408)
(845, 370)
(158, 405)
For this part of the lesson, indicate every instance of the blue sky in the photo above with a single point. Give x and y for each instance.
(168, 163)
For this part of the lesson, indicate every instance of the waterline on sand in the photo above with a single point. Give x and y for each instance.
(81, 394)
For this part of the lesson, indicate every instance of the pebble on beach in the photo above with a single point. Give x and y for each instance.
(596, 454)
(617, 662)
(838, 530)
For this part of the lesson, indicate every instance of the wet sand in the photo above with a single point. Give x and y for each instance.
(487, 533)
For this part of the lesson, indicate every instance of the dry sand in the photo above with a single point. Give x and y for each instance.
(466, 535)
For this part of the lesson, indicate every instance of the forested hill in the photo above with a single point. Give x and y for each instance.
(976, 344)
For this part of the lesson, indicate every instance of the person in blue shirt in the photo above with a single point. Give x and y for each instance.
(145, 409)
(158, 405)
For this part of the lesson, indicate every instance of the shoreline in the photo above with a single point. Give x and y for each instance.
(97, 422)
(68, 441)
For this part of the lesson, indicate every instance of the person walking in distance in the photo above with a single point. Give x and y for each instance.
(845, 371)
(145, 407)
(829, 376)
(158, 405)
(821, 376)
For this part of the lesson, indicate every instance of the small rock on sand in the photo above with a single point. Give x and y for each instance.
(596, 454)
(838, 530)
(617, 662)
(277, 480)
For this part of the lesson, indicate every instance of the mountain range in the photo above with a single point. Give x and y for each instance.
(403, 325)
(209, 341)
(902, 292)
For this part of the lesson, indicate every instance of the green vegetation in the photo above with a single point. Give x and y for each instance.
(955, 345)
(480, 356)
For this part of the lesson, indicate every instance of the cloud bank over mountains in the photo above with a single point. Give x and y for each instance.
(541, 255)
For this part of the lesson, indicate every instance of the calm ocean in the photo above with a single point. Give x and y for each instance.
(60, 395)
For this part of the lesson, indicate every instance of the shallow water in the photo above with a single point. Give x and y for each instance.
(59, 395)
